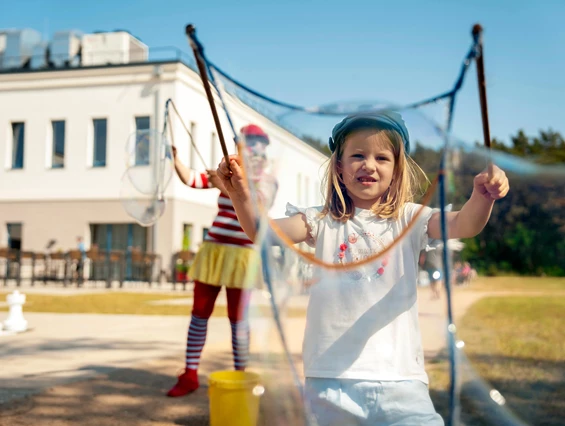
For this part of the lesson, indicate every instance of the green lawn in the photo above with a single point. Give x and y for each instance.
(517, 345)
(546, 284)
(515, 342)
(138, 303)
(118, 303)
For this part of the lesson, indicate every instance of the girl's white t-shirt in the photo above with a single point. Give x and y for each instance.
(363, 324)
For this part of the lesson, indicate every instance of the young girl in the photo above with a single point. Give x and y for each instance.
(362, 352)
(223, 259)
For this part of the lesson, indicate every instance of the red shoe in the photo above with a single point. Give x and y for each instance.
(187, 383)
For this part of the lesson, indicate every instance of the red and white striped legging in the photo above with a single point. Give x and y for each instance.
(204, 300)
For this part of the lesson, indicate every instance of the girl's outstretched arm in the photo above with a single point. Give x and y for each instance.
(475, 214)
(196, 179)
(236, 186)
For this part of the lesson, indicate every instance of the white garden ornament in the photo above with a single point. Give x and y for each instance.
(15, 321)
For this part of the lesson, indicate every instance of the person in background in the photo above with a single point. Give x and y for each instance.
(82, 259)
(224, 259)
(433, 266)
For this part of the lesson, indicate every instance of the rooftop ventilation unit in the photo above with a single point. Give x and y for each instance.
(19, 47)
(111, 48)
(65, 49)
(2, 47)
(39, 59)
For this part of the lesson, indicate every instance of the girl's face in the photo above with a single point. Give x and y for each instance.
(367, 167)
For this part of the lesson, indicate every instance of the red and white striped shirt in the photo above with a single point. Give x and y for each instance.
(225, 228)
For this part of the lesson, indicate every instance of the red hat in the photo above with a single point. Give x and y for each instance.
(255, 131)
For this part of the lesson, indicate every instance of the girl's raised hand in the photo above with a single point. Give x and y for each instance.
(493, 188)
(233, 177)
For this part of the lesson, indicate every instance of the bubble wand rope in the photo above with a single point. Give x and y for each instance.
(168, 120)
(479, 59)
(197, 50)
(202, 66)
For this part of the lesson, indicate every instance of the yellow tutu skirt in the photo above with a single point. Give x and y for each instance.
(230, 266)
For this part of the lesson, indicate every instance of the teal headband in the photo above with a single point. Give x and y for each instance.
(381, 120)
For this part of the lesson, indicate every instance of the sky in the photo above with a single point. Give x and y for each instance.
(313, 52)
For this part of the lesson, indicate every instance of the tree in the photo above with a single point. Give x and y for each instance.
(526, 232)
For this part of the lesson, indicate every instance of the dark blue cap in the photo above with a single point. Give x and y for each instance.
(378, 120)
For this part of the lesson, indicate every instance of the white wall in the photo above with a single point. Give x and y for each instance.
(77, 105)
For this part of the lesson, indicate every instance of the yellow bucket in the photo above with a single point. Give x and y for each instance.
(234, 398)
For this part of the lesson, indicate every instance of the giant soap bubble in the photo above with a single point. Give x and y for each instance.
(149, 161)
(149, 168)
(489, 309)
(486, 360)
(143, 208)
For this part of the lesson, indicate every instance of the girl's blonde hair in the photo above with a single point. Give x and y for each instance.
(405, 186)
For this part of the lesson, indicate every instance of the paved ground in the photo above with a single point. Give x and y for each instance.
(114, 369)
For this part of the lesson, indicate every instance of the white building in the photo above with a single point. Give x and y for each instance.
(63, 133)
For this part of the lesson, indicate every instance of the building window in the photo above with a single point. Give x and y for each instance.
(14, 235)
(58, 153)
(100, 134)
(18, 130)
(192, 159)
(204, 233)
(142, 144)
(123, 237)
(186, 236)
(118, 236)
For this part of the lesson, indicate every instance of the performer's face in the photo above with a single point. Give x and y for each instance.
(255, 148)
(257, 164)
(256, 157)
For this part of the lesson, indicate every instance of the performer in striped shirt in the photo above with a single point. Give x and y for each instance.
(226, 258)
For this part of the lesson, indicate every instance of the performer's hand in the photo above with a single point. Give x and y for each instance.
(233, 177)
(214, 179)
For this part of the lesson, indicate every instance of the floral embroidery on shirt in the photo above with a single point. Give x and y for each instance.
(352, 239)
